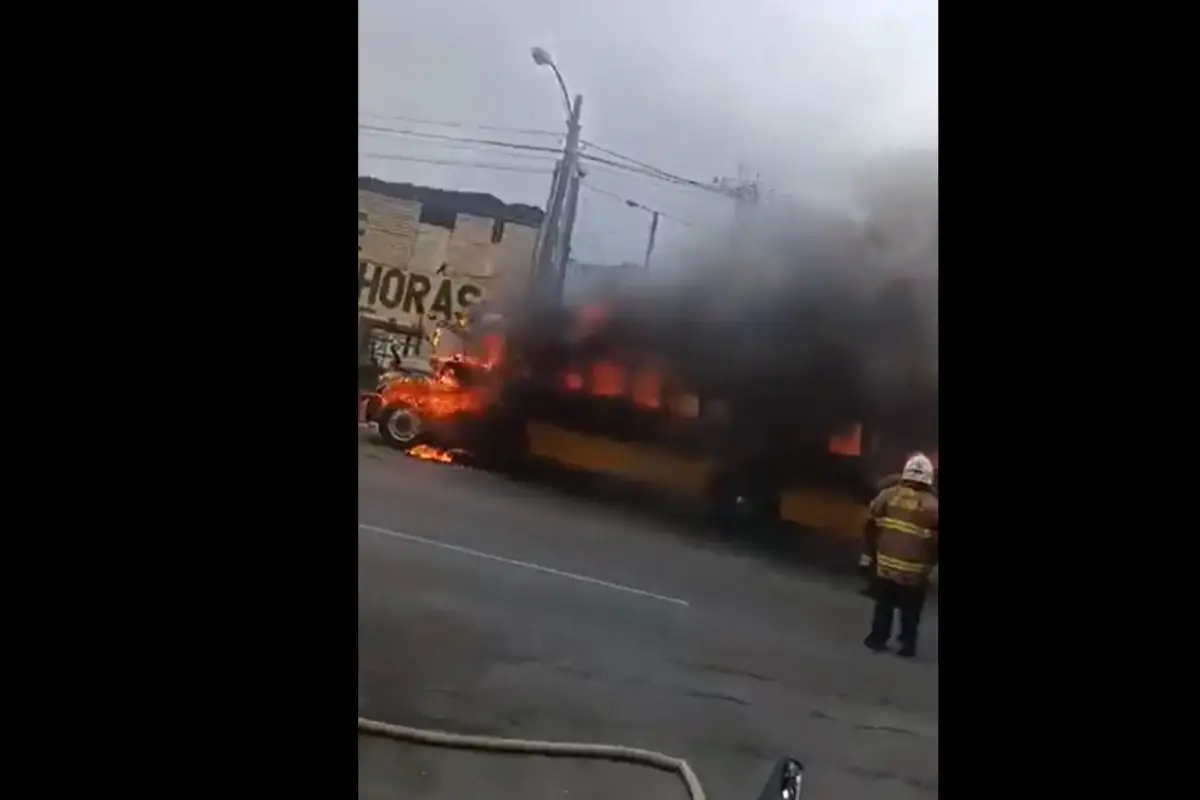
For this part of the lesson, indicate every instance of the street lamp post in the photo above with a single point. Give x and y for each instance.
(550, 266)
(568, 227)
(654, 215)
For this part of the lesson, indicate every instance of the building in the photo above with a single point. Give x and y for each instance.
(426, 256)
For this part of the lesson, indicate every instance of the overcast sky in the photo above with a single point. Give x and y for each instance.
(794, 89)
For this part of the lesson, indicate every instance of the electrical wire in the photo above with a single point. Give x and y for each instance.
(625, 201)
(650, 168)
(605, 165)
(456, 163)
(649, 173)
(593, 168)
(441, 137)
(485, 149)
(461, 125)
(495, 744)
(623, 163)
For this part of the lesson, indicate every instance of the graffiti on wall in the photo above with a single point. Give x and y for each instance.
(407, 296)
(419, 265)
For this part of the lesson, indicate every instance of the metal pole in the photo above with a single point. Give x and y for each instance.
(653, 233)
(545, 274)
(568, 229)
(543, 236)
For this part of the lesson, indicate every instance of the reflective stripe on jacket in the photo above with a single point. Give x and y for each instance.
(906, 536)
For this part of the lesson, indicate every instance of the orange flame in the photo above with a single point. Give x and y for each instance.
(848, 443)
(429, 453)
(647, 389)
(440, 397)
(608, 379)
(492, 345)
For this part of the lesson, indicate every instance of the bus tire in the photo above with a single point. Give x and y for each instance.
(401, 427)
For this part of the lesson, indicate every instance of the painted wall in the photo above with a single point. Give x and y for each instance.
(420, 265)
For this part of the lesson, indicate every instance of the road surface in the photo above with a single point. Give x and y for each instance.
(490, 607)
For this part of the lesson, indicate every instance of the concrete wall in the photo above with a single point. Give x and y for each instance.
(457, 262)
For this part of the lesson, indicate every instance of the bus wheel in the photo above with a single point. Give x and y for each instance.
(400, 427)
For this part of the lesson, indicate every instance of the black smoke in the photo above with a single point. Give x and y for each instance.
(805, 338)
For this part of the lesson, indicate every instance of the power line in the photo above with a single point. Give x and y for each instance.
(633, 165)
(456, 163)
(594, 168)
(631, 203)
(441, 137)
(486, 150)
(458, 142)
(625, 163)
(650, 168)
(656, 174)
(462, 125)
(632, 170)
(604, 192)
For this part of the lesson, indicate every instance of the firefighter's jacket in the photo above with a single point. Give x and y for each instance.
(903, 534)
(889, 481)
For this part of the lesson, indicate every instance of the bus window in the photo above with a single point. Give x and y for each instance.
(848, 443)
(589, 320)
(572, 381)
(686, 405)
(608, 379)
(716, 409)
(647, 389)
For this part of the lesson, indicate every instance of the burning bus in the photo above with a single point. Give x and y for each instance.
(457, 410)
(624, 391)
(616, 387)
(783, 390)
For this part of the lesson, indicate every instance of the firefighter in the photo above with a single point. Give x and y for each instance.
(866, 561)
(902, 535)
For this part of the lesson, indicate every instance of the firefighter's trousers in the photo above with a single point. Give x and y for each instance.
(891, 597)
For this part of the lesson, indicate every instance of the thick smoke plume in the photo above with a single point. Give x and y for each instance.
(814, 328)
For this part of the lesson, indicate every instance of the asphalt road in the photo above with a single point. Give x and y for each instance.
(490, 607)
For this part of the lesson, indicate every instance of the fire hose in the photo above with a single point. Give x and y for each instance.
(495, 744)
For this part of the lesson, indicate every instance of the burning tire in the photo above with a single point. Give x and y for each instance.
(401, 427)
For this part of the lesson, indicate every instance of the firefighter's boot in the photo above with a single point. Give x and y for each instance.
(874, 644)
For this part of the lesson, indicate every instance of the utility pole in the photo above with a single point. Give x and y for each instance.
(745, 193)
(654, 215)
(650, 244)
(549, 257)
(550, 264)
(567, 229)
(543, 237)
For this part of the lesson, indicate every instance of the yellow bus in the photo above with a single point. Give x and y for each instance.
(746, 452)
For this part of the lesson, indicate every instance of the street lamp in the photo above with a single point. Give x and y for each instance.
(556, 236)
(653, 229)
(543, 59)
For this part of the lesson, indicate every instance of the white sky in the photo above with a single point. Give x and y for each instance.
(797, 90)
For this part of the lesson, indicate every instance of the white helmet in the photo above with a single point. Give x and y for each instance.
(918, 469)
